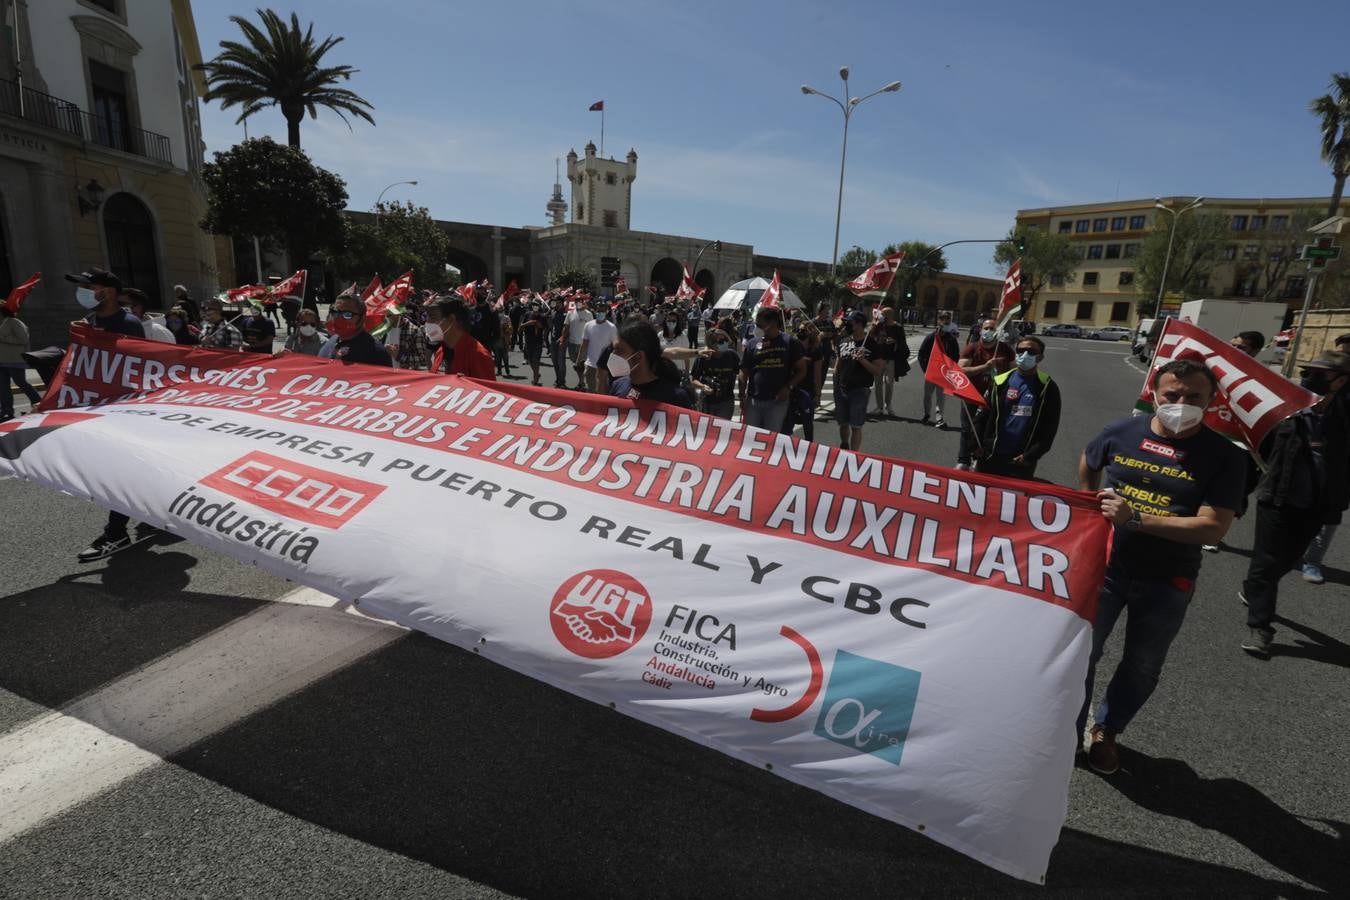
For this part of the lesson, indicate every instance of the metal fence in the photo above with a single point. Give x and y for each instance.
(62, 115)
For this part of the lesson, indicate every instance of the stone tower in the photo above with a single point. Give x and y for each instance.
(557, 206)
(602, 189)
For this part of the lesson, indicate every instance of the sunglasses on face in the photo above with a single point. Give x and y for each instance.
(342, 314)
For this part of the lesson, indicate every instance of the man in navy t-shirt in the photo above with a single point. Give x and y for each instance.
(771, 368)
(1171, 485)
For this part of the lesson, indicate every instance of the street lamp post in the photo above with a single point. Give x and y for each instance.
(846, 106)
(717, 244)
(381, 197)
(1171, 236)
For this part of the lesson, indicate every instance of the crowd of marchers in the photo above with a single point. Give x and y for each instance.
(1170, 486)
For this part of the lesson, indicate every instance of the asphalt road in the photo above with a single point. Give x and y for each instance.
(411, 768)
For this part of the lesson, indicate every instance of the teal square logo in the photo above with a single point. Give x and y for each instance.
(868, 706)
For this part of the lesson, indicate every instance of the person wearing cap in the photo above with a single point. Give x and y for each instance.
(217, 334)
(933, 396)
(135, 300)
(1306, 485)
(257, 337)
(860, 361)
(99, 291)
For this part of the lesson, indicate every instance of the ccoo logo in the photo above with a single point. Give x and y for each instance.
(293, 489)
(600, 613)
(955, 377)
(868, 706)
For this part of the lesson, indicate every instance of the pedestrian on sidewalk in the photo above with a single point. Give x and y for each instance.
(1306, 486)
(13, 344)
(1171, 485)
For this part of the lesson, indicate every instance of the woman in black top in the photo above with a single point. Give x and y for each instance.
(637, 369)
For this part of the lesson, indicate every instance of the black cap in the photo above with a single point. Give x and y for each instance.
(1333, 360)
(858, 316)
(101, 277)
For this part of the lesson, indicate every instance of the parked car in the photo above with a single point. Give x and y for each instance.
(1064, 330)
(1111, 333)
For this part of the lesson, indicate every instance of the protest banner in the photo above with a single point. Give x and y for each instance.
(902, 637)
(1251, 399)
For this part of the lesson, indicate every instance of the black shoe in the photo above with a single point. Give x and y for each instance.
(103, 547)
(1258, 642)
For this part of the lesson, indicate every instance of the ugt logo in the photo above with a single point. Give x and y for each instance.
(868, 706)
(600, 613)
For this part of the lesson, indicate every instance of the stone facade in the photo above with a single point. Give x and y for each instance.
(602, 189)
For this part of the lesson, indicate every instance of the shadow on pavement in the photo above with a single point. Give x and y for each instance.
(64, 639)
(1234, 808)
(1314, 645)
(430, 752)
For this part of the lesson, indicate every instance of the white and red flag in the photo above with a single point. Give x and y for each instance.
(371, 288)
(1010, 304)
(293, 286)
(20, 291)
(620, 285)
(878, 277)
(246, 292)
(386, 299)
(688, 289)
(466, 291)
(773, 294)
(1251, 399)
(945, 373)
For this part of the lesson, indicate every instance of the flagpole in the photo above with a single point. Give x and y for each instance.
(602, 129)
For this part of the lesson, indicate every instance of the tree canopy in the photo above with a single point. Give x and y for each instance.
(403, 237)
(1047, 257)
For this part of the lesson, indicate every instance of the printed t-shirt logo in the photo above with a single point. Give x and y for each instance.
(868, 706)
(293, 489)
(1162, 450)
(600, 613)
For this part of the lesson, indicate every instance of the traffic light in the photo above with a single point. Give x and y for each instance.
(1021, 243)
(909, 295)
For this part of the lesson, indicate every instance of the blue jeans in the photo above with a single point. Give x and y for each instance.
(1155, 611)
(766, 413)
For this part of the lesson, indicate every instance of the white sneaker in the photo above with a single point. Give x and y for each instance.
(940, 422)
(964, 467)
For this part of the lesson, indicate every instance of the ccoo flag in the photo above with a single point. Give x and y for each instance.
(878, 277)
(946, 374)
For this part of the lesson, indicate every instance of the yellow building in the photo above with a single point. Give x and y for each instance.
(101, 151)
(1111, 236)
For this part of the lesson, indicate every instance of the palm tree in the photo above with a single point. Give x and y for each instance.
(281, 67)
(1334, 111)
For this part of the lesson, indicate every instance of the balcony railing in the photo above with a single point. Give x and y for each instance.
(63, 115)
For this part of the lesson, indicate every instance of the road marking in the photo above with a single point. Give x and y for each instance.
(92, 744)
(1090, 350)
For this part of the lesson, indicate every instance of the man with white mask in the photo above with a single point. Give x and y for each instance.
(1171, 486)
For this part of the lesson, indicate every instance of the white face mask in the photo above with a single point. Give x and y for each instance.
(1178, 417)
(618, 366)
(433, 332)
(86, 297)
(950, 328)
(308, 330)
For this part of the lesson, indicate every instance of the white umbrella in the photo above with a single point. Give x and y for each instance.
(744, 295)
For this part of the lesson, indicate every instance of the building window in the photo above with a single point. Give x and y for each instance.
(1052, 309)
(581, 211)
(611, 219)
(1126, 278)
(1065, 227)
(610, 179)
(1279, 223)
(1120, 311)
(1081, 226)
(1136, 223)
(1294, 287)
(1251, 251)
(1098, 224)
(1118, 223)
(111, 6)
(1113, 251)
(1131, 251)
(1084, 310)
(1094, 251)
(112, 111)
(1258, 223)
(1239, 223)
(130, 232)
(1230, 252)
(1202, 283)
(1089, 279)
(1057, 281)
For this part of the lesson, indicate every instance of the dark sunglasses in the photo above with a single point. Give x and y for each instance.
(341, 314)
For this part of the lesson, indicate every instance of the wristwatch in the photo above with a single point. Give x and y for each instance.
(1134, 522)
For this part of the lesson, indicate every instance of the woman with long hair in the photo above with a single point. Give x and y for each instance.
(637, 369)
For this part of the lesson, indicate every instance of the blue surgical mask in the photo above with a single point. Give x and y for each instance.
(1026, 361)
(987, 336)
(86, 297)
(599, 317)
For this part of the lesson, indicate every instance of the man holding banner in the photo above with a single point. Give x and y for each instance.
(1171, 485)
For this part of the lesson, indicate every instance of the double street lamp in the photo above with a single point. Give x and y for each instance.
(381, 197)
(1171, 236)
(846, 106)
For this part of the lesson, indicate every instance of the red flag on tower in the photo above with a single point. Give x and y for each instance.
(946, 374)
(1011, 302)
(773, 294)
(16, 296)
(878, 277)
(597, 106)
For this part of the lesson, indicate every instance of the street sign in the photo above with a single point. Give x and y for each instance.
(1319, 253)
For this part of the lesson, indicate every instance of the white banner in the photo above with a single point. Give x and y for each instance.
(905, 638)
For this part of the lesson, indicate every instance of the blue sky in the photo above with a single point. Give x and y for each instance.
(1005, 105)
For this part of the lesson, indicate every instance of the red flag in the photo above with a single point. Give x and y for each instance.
(1011, 302)
(293, 286)
(620, 285)
(370, 289)
(772, 294)
(246, 292)
(386, 298)
(688, 289)
(878, 277)
(467, 292)
(597, 106)
(505, 298)
(23, 290)
(946, 374)
(1251, 399)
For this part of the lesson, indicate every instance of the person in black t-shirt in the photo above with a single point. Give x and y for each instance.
(347, 320)
(802, 410)
(771, 368)
(854, 371)
(1171, 486)
(715, 376)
